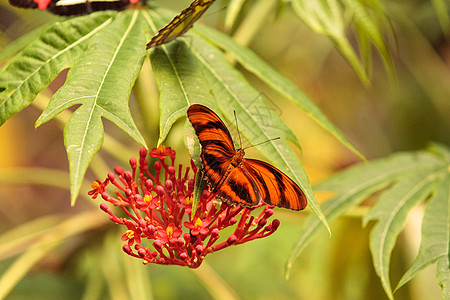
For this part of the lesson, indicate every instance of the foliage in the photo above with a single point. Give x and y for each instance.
(405, 180)
(105, 52)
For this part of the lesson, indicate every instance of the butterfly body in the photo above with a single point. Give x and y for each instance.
(234, 179)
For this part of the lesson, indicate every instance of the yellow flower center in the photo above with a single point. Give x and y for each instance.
(147, 198)
(161, 149)
(95, 185)
(198, 223)
(169, 231)
(130, 234)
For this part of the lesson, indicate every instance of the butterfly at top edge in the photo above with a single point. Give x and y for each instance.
(180, 23)
(234, 179)
(73, 7)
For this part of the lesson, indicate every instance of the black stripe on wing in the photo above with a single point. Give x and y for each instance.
(276, 187)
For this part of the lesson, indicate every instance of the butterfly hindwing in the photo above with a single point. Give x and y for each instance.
(240, 189)
(276, 188)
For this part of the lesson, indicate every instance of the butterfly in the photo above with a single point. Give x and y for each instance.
(73, 7)
(181, 23)
(237, 180)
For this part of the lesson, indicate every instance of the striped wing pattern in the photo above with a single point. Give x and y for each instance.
(236, 180)
(276, 188)
(216, 142)
(181, 23)
(75, 7)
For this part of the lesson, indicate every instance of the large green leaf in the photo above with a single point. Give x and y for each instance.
(354, 185)
(391, 212)
(416, 175)
(274, 79)
(23, 77)
(435, 242)
(365, 18)
(326, 17)
(101, 80)
(194, 71)
(23, 41)
(330, 18)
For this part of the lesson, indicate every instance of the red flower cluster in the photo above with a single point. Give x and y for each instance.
(161, 211)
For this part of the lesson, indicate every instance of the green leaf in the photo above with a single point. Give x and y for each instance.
(23, 77)
(435, 235)
(23, 41)
(328, 17)
(417, 175)
(332, 209)
(391, 212)
(385, 169)
(101, 80)
(275, 80)
(233, 10)
(179, 77)
(194, 71)
(254, 20)
(441, 7)
(368, 31)
(443, 276)
(354, 185)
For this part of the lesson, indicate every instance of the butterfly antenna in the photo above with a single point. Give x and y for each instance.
(239, 135)
(277, 138)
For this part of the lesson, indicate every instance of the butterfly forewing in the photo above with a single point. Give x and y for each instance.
(181, 23)
(237, 180)
(216, 142)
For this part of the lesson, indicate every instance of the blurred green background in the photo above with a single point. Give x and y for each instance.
(380, 118)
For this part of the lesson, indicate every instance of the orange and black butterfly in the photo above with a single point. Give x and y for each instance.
(181, 23)
(235, 179)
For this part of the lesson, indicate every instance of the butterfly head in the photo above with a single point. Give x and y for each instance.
(237, 158)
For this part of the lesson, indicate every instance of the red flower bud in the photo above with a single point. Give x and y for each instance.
(169, 185)
(199, 249)
(127, 249)
(118, 170)
(232, 239)
(275, 224)
(111, 176)
(127, 176)
(171, 171)
(262, 222)
(104, 207)
(149, 184)
(142, 252)
(133, 162)
(143, 152)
